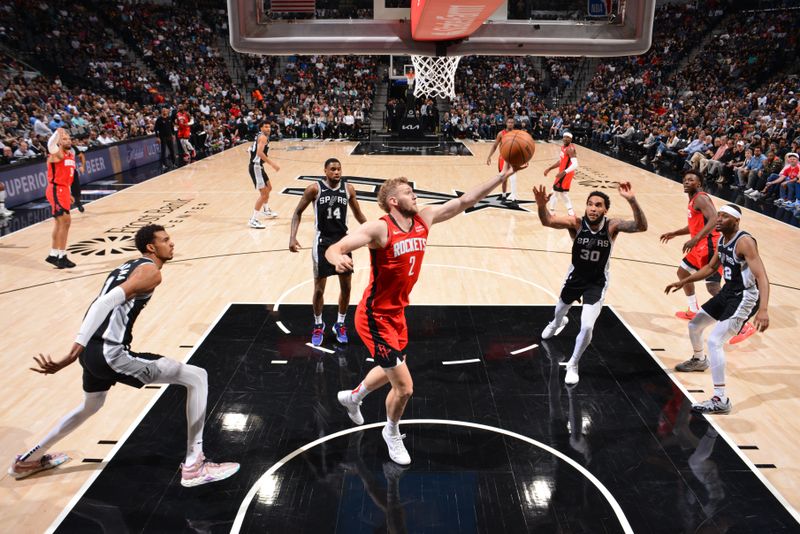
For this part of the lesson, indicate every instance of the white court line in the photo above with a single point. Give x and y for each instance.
(713, 423)
(279, 362)
(240, 515)
(130, 430)
(280, 325)
(323, 349)
(459, 362)
(523, 349)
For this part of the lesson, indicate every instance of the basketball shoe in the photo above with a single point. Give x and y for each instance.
(205, 472)
(692, 364)
(572, 377)
(255, 223)
(397, 451)
(21, 469)
(317, 334)
(353, 408)
(687, 314)
(552, 330)
(341, 332)
(713, 405)
(746, 331)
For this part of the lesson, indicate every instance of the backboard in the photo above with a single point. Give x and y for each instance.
(382, 27)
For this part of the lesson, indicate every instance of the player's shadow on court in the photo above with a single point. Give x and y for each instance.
(771, 376)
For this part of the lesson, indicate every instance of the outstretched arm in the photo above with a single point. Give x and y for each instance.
(701, 274)
(747, 248)
(639, 222)
(548, 219)
(451, 208)
(143, 281)
(372, 234)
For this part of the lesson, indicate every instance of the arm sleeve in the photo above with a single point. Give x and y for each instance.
(52, 144)
(573, 165)
(97, 313)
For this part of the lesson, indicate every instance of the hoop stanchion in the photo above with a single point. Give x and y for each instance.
(435, 75)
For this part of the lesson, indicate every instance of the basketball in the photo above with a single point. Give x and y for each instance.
(517, 148)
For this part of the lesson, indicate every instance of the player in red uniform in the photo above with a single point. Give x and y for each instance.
(701, 248)
(703, 243)
(184, 121)
(505, 197)
(60, 173)
(397, 244)
(567, 164)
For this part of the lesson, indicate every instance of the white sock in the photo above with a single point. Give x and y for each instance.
(318, 319)
(53, 252)
(719, 391)
(61, 253)
(551, 204)
(513, 181)
(393, 426)
(255, 215)
(360, 392)
(194, 452)
(568, 203)
(341, 317)
(692, 300)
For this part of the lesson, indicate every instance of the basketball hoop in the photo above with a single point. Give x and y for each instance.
(435, 76)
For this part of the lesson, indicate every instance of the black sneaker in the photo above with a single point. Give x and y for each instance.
(80, 207)
(53, 260)
(64, 263)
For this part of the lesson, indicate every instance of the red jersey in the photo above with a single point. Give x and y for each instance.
(697, 221)
(61, 173)
(395, 268)
(184, 131)
(563, 184)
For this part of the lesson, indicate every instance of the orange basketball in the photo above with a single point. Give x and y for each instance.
(517, 148)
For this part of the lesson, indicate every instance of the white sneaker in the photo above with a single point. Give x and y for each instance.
(572, 375)
(397, 451)
(551, 330)
(255, 223)
(5, 212)
(269, 213)
(748, 190)
(353, 408)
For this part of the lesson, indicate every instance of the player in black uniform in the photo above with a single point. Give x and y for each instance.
(103, 348)
(587, 277)
(330, 197)
(258, 156)
(745, 293)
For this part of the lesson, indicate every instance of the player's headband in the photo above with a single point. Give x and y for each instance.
(567, 134)
(730, 211)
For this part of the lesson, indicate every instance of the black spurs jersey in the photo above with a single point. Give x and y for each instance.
(116, 328)
(738, 276)
(330, 211)
(590, 253)
(254, 150)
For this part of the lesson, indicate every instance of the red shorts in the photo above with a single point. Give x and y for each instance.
(59, 198)
(700, 256)
(563, 184)
(385, 336)
(500, 163)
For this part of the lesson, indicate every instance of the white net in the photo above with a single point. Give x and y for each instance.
(435, 76)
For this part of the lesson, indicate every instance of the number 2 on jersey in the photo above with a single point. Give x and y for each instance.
(412, 260)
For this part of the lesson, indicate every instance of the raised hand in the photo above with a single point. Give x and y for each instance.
(626, 190)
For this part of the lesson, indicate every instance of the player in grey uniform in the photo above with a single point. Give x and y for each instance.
(745, 293)
(103, 348)
(331, 198)
(255, 165)
(587, 278)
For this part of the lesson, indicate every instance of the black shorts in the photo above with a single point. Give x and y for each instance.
(322, 267)
(588, 292)
(738, 307)
(258, 175)
(104, 365)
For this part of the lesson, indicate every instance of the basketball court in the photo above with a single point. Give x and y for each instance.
(498, 442)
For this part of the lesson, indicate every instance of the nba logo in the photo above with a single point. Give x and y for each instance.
(599, 8)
